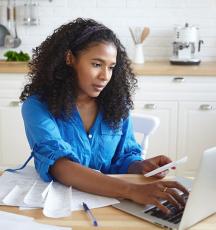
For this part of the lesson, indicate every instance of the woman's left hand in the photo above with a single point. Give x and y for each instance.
(145, 166)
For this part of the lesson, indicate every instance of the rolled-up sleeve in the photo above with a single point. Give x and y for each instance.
(128, 150)
(44, 137)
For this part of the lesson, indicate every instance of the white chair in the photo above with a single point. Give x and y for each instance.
(144, 126)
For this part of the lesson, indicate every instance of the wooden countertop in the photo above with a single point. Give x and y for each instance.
(153, 68)
(158, 68)
(13, 67)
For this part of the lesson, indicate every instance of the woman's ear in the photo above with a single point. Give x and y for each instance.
(69, 58)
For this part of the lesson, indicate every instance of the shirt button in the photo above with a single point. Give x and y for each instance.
(90, 136)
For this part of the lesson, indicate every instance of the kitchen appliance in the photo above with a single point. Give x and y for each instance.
(186, 45)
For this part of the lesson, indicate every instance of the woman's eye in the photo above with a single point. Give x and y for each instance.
(96, 64)
(111, 67)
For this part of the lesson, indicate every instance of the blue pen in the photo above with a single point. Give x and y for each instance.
(90, 214)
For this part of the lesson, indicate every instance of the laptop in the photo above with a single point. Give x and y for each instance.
(200, 204)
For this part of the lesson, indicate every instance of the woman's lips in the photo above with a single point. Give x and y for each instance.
(98, 87)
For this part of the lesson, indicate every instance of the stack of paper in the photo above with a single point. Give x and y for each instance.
(26, 190)
(13, 221)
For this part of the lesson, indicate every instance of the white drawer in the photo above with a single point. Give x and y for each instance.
(177, 83)
(11, 85)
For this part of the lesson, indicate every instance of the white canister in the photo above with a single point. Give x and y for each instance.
(138, 54)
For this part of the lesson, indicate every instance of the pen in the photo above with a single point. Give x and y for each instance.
(90, 214)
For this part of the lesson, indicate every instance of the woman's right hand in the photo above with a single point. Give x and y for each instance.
(152, 193)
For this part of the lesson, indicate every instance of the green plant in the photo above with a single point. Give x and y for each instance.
(15, 56)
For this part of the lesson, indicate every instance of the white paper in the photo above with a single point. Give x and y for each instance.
(16, 195)
(58, 201)
(9, 221)
(8, 180)
(37, 193)
(27, 190)
(46, 190)
(14, 217)
(93, 201)
(6, 187)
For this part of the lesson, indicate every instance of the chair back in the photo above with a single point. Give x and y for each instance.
(144, 126)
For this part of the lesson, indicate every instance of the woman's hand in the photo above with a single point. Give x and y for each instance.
(142, 167)
(152, 193)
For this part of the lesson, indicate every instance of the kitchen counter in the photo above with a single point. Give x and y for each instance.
(13, 67)
(153, 68)
(160, 68)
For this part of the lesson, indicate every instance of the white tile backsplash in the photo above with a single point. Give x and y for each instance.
(200, 3)
(140, 3)
(83, 3)
(159, 15)
(170, 4)
(111, 3)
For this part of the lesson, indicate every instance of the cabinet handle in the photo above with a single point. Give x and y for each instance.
(15, 103)
(178, 79)
(150, 106)
(206, 107)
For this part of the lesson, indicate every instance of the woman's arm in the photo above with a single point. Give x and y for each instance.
(73, 174)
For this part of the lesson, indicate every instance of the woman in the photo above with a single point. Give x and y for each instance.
(76, 115)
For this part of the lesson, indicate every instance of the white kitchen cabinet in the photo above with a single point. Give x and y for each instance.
(186, 107)
(197, 131)
(14, 148)
(164, 139)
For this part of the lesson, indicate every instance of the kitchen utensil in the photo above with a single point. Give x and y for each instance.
(145, 33)
(136, 34)
(3, 32)
(132, 35)
(31, 13)
(12, 40)
(139, 34)
(17, 40)
(9, 38)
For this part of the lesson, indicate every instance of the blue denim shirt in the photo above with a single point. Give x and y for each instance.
(103, 148)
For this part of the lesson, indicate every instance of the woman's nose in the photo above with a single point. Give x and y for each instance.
(105, 74)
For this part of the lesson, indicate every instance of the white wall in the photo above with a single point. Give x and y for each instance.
(159, 15)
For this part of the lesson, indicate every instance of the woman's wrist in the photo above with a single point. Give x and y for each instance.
(128, 191)
(136, 167)
(131, 191)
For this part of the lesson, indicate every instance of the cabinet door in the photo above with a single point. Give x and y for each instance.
(14, 148)
(163, 141)
(197, 132)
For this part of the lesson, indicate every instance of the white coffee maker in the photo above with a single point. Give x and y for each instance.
(186, 45)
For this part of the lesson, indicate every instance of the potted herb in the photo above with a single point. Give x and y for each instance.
(15, 56)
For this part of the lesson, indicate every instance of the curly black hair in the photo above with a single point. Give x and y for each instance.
(56, 84)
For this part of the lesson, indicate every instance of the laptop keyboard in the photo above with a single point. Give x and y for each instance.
(175, 215)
